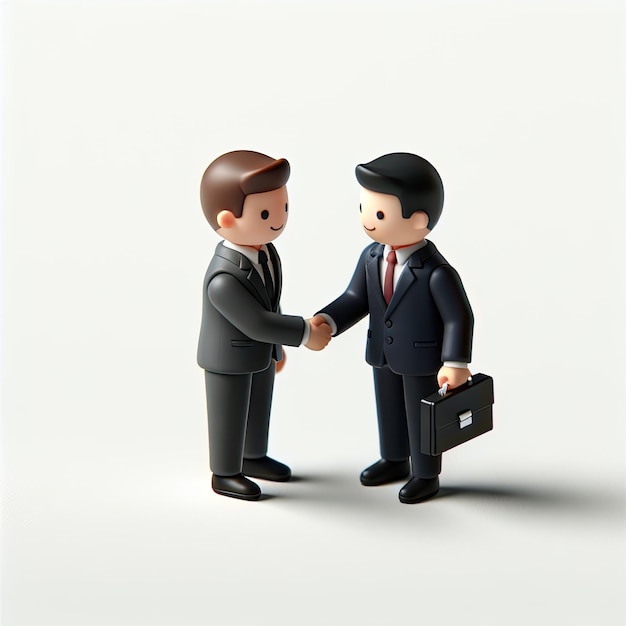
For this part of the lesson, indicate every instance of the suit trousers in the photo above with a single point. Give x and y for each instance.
(398, 401)
(238, 408)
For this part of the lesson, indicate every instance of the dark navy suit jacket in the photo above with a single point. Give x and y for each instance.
(428, 321)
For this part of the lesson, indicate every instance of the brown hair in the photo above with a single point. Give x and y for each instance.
(234, 175)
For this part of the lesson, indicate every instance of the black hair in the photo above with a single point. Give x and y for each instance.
(412, 179)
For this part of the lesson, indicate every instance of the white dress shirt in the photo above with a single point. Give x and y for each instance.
(402, 257)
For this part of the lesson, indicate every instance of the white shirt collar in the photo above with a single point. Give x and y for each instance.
(403, 254)
(252, 254)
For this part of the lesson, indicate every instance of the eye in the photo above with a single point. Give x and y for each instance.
(380, 215)
(265, 215)
(286, 207)
(360, 209)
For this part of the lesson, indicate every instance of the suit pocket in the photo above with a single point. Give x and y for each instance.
(241, 343)
(424, 344)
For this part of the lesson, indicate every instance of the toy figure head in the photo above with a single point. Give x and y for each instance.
(244, 197)
(401, 198)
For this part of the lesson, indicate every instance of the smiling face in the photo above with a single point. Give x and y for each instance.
(263, 218)
(381, 218)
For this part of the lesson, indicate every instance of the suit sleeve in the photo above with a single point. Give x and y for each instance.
(352, 306)
(247, 314)
(455, 310)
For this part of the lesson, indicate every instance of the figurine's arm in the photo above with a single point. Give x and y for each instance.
(458, 325)
(351, 306)
(247, 314)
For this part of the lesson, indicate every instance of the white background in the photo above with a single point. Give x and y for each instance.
(112, 111)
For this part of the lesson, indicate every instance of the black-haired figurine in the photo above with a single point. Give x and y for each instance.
(420, 320)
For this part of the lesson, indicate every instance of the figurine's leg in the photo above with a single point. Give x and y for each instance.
(416, 388)
(392, 432)
(259, 413)
(228, 398)
(256, 463)
(392, 423)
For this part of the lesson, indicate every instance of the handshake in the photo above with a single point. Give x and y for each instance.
(320, 333)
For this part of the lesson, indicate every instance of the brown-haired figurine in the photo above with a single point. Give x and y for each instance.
(244, 199)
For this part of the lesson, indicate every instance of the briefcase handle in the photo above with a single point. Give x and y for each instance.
(444, 388)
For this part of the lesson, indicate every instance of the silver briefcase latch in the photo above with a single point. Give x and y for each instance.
(465, 419)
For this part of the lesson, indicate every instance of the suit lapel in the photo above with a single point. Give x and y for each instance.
(409, 275)
(372, 270)
(407, 278)
(246, 274)
(278, 275)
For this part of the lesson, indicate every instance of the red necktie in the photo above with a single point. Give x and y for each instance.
(388, 286)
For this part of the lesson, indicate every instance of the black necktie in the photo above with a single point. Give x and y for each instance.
(267, 276)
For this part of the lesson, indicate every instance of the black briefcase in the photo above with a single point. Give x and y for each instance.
(458, 416)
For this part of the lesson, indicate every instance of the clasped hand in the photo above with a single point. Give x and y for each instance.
(320, 333)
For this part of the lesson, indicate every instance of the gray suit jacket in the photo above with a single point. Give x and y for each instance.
(428, 321)
(241, 329)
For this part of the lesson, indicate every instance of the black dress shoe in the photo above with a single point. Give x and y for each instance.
(418, 490)
(266, 469)
(383, 472)
(237, 486)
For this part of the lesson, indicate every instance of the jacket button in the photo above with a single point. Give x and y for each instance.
(389, 340)
(388, 323)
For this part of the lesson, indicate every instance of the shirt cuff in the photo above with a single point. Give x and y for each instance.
(330, 321)
(458, 364)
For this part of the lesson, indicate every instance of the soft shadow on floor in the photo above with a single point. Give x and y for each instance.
(343, 490)
(546, 496)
